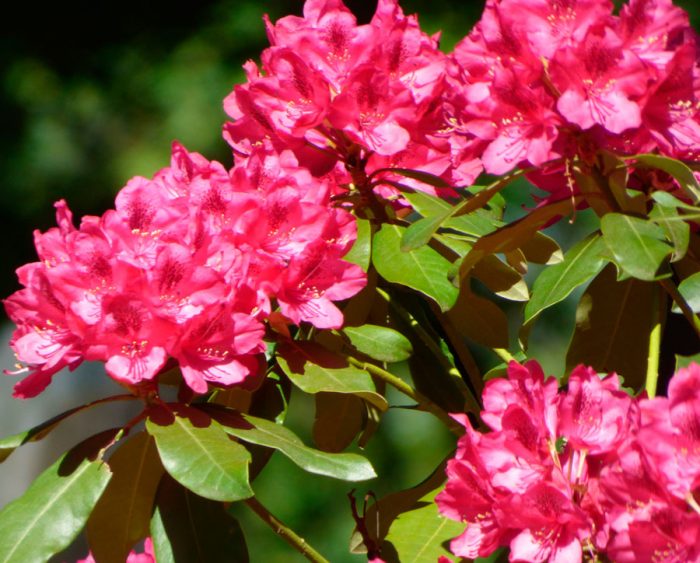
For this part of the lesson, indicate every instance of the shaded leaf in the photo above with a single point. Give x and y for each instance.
(122, 515)
(346, 466)
(422, 269)
(380, 343)
(675, 168)
(339, 419)
(581, 263)
(613, 322)
(501, 279)
(541, 249)
(198, 453)
(312, 368)
(479, 319)
(675, 228)
(689, 288)
(361, 251)
(11, 443)
(55, 507)
(421, 534)
(419, 175)
(187, 527)
(638, 246)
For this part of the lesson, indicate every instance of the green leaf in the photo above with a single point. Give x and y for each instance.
(11, 443)
(613, 323)
(675, 168)
(638, 246)
(581, 263)
(421, 534)
(313, 369)
(541, 249)
(419, 233)
(685, 361)
(348, 467)
(689, 288)
(198, 453)
(380, 343)
(676, 229)
(667, 200)
(339, 419)
(186, 527)
(419, 175)
(361, 251)
(55, 507)
(501, 279)
(422, 269)
(480, 320)
(122, 515)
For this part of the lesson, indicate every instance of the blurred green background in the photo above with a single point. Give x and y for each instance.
(94, 93)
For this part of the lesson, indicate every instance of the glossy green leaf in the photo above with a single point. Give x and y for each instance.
(676, 229)
(338, 420)
(689, 288)
(666, 199)
(122, 516)
(186, 527)
(581, 263)
(345, 466)
(675, 168)
(421, 535)
(361, 251)
(419, 233)
(638, 246)
(613, 322)
(380, 343)
(11, 443)
(55, 507)
(422, 269)
(313, 369)
(685, 361)
(198, 453)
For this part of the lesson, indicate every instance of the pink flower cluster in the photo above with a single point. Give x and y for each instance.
(148, 555)
(589, 470)
(549, 79)
(186, 268)
(351, 99)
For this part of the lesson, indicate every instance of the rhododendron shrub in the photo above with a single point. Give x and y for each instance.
(360, 242)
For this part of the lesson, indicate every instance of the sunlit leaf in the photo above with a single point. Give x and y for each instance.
(419, 233)
(676, 229)
(639, 246)
(581, 263)
(187, 527)
(312, 368)
(361, 251)
(685, 361)
(346, 466)
(122, 515)
(675, 168)
(422, 269)
(689, 288)
(198, 453)
(55, 507)
(380, 343)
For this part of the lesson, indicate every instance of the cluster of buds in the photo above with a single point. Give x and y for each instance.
(185, 270)
(584, 472)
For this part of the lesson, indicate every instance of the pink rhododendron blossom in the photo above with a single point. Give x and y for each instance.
(148, 555)
(186, 267)
(578, 473)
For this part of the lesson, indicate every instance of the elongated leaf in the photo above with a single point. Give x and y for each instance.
(419, 175)
(613, 322)
(689, 288)
(676, 229)
(479, 319)
(197, 452)
(420, 534)
(541, 249)
(312, 368)
(685, 361)
(419, 233)
(187, 527)
(349, 467)
(501, 279)
(11, 443)
(639, 247)
(380, 343)
(581, 263)
(55, 507)
(675, 168)
(339, 419)
(361, 251)
(122, 516)
(667, 200)
(422, 269)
